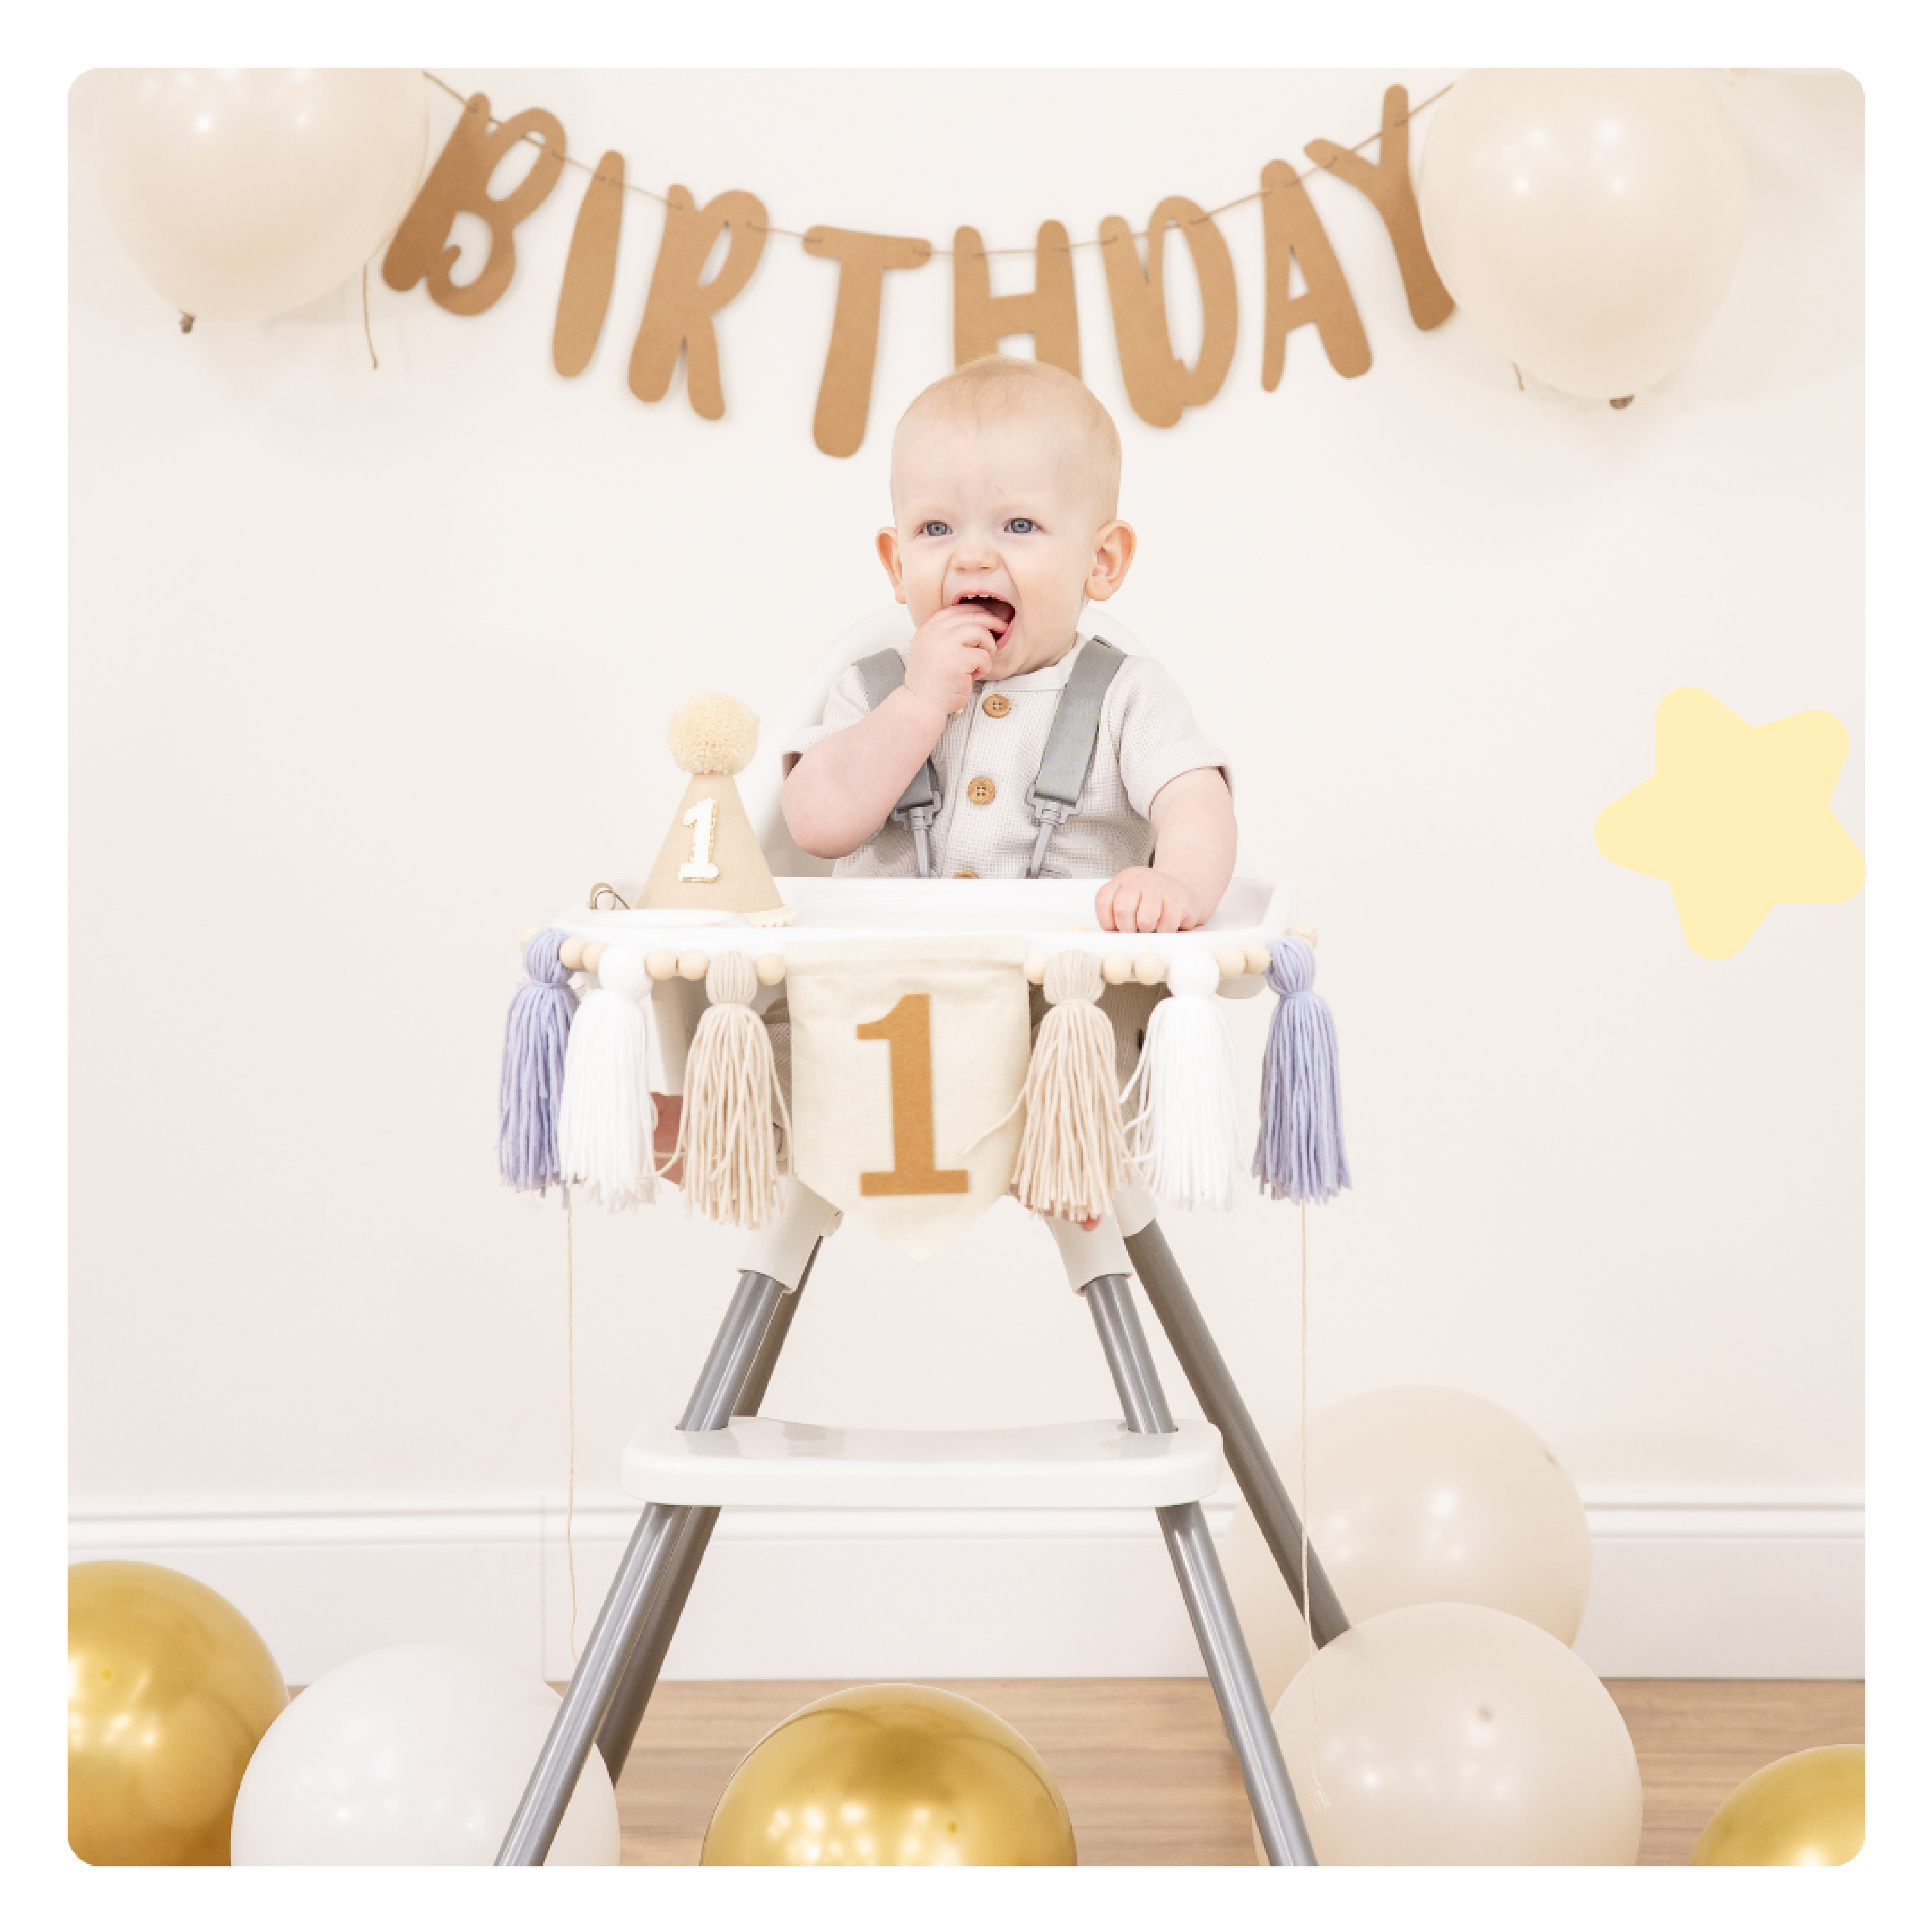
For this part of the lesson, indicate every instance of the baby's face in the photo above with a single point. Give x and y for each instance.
(1003, 513)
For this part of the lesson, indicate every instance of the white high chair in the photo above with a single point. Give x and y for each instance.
(721, 1452)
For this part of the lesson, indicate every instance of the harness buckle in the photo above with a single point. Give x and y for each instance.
(1052, 813)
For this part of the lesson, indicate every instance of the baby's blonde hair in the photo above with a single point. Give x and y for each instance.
(992, 386)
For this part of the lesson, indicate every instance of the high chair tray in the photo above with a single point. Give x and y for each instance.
(761, 1459)
(1051, 915)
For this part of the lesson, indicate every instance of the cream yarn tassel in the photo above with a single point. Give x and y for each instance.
(734, 1113)
(605, 1120)
(1186, 1137)
(1073, 1154)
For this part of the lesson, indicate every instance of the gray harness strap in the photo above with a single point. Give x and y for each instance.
(882, 673)
(1055, 794)
(1070, 740)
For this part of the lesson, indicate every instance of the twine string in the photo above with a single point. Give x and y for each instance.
(1139, 235)
(367, 335)
(1318, 1798)
(570, 1405)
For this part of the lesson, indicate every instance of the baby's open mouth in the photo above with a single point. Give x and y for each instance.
(995, 608)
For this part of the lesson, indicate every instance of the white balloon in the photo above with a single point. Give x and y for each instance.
(242, 192)
(1455, 1735)
(1434, 1495)
(1588, 219)
(412, 1756)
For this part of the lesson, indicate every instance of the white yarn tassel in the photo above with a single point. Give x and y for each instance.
(607, 1115)
(1186, 1137)
(735, 1120)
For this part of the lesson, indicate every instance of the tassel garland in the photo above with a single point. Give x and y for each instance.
(1186, 1137)
(1073, 1152)
(735, 1118)
(531, 1082)
(1299, 1155)
(605, 1125)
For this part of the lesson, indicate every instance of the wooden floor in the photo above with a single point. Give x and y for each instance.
(1149, 1778)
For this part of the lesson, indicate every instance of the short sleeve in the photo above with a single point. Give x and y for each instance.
(844, 704)
(1155, 736)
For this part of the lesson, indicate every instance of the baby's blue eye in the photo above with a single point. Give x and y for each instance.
(1022, 527)
(935, 529)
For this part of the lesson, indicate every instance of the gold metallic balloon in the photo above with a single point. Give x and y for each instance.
(891, 1774)
(1808, 1809)
(169, 1690)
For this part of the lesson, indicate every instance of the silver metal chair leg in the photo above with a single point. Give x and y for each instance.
(641, 1576)
(1200, 1361)
(1210, 1609)
(626, 1711)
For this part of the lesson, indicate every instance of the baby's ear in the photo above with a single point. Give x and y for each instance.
(887, 544)
(1113, 552)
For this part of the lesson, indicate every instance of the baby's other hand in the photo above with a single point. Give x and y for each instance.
(951, 649)
(1141, 900)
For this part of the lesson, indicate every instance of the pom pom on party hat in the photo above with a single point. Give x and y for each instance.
(710, 860)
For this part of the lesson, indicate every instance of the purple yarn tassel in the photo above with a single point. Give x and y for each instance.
(534, 1037)
(1299, 1156)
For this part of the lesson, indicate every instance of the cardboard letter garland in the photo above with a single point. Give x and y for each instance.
(845, 389)
(859, 1013)
(1387, 184)
(585, 297)
(1290, 229)
(1160, 385)
(459, 183)
(679, 309)
(980, 318)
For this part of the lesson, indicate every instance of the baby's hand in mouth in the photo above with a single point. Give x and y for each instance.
(996, 613)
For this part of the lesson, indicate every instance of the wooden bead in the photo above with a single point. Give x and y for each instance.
(661, 963)
(593, 951)
(570, 954)
(1232, 961)
(770, 968)
(1257, 959)
(1150, 969)
(693, 964)
(1035, 969)
(1117, 969)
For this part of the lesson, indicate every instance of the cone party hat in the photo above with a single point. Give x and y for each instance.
(710, 860)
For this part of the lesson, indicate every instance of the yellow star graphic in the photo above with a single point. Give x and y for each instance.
(1737, 817)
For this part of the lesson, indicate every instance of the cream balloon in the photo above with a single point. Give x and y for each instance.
(242, 192)
(412, 1756)
(1588, 219)
(1452, 1735)
(1427, 1496)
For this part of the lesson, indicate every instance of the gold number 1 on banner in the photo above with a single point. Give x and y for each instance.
(907, 1030)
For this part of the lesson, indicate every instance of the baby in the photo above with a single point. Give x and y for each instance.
(1006, 484)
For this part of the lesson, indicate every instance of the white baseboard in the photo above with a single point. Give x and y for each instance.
(1713, 1586)
(1746, 1584)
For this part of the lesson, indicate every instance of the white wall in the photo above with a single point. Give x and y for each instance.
(370, 671)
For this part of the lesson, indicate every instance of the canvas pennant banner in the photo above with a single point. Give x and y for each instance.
(899, 1059)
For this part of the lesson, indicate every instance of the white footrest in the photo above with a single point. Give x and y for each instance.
(763, 1460)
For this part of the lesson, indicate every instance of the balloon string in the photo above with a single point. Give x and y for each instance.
(1318, 1798)
(367, 336)
(1139, 234)
(570, 1405)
